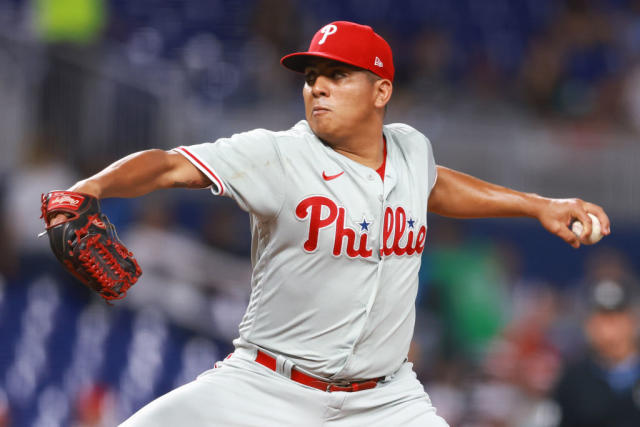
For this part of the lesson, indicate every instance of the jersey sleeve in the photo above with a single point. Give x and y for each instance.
(432, 171)
(245, 167)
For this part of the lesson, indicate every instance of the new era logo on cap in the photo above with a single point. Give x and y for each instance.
(350, 43)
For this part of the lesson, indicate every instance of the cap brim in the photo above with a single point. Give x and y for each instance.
(300, 60)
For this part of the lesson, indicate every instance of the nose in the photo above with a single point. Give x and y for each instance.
(320, 86)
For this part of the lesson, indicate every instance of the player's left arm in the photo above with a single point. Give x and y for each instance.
(459, 195)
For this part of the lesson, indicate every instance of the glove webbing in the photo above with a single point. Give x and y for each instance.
(96, 270)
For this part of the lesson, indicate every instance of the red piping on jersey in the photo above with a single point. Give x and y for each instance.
(197, 160)
(381, 169)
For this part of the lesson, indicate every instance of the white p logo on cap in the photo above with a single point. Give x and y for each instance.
(327, 30)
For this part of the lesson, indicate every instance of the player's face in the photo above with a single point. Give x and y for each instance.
(613, 335)
(339, 99)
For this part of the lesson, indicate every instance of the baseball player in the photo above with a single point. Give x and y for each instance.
(338, 207)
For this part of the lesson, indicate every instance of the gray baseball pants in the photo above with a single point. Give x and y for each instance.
(240, 392)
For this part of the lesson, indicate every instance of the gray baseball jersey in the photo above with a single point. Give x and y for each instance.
(336, 249)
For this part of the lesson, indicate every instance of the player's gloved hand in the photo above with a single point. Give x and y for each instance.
(557, 215)
(86, 243)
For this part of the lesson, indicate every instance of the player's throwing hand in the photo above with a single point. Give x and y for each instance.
(558, 215)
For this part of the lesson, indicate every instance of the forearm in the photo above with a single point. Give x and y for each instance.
(459, 195)
(141, 173)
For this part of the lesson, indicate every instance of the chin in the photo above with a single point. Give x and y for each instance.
(328, 138)
(321, 130)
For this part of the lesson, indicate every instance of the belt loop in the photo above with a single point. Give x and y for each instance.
(287, 366)
(283, 366)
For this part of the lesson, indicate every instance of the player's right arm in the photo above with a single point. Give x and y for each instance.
(459, 195)
(141, 173)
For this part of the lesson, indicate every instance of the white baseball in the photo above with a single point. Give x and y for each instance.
(596, 234)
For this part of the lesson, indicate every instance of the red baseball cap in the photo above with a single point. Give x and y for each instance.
(346, 42)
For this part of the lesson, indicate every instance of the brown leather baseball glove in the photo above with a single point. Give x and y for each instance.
(87, 245)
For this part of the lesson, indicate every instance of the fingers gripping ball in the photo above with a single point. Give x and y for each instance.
(87, 245)
(596, 231)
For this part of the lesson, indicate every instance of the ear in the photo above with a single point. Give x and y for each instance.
(383, 89)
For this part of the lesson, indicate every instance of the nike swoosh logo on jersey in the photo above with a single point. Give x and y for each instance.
(330, 177)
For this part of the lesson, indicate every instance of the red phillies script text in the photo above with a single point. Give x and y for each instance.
(393, 230)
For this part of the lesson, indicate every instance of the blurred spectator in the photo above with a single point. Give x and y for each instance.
(522, 365)
(69, 30)
(603, 389)
(448, 389)
(606, 264)
(276, 27)
(632, 97)
(94, 407)
(9, 259)
(628, 34)
(76, 21)
(5, 413)
(184, 277)
(40, 172)
(465, 280)
(568, 70)
(541, 72)
(431, 55)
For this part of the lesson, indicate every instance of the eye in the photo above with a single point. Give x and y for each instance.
(339, 74)
(310, 77)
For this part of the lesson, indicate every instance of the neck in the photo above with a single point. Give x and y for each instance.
(617, 358)
(366, 149)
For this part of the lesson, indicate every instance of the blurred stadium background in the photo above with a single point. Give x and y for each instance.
(538, 95)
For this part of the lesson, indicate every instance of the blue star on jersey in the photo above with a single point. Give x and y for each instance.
(364, 225)
(410, 222)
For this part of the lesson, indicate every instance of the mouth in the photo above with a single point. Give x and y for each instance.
(319, 110)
